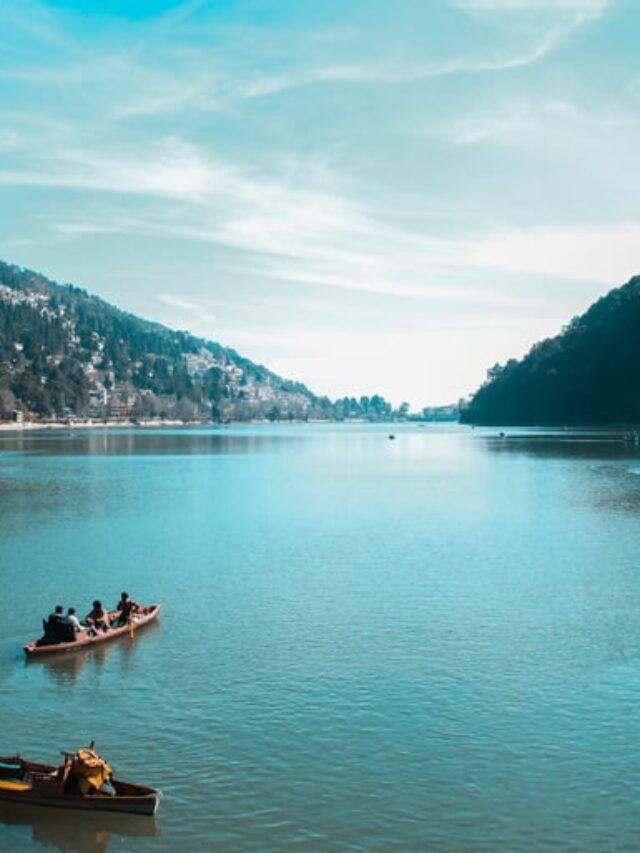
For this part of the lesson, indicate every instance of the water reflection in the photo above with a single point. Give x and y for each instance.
(64, 668)
(37, 473)
(595, 469)
(134, 442)
(592, 445)
(77, 832)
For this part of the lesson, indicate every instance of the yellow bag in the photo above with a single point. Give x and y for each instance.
(90, 770)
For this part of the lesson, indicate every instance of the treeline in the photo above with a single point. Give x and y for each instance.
(589, 374)
(374, 408)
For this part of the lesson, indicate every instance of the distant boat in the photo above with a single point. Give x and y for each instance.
(391, 437)
(28, 782)
(141, 618)
(633, 437)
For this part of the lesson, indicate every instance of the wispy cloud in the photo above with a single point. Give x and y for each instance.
(297, 231)
(172, 168)
(193, 313)
(293, 232)
(8, 139)
(487, 127)
(34, 21)
(548, 24)
(604, 254)
(148, 75)
(393, 74)
(181, 302)
(84, 229)
(349, 159)
(571, 13)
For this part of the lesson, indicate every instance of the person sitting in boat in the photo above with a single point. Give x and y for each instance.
(127, 606)
(72, 619)
(97, 617)
(53, 627)
(57, 617)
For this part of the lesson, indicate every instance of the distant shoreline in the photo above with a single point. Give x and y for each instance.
(33, 426)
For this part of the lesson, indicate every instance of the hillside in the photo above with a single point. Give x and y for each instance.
(67, 354)
(589, 374)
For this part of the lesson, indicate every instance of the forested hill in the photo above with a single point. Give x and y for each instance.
(589, 374)
(67, 354)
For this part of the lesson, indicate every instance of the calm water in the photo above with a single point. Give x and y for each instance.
(431, 643)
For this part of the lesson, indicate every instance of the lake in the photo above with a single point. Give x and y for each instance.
(431, 643)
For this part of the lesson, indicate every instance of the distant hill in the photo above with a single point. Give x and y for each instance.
(65, 354)
(589, 374)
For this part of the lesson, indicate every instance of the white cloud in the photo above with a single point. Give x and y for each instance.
(170, 168)
(607, 254)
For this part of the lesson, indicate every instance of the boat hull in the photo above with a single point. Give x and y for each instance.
(144, 805)
(25, 782)
(147, 615)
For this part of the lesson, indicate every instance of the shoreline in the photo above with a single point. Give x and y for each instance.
(32, 426)
(35, 426)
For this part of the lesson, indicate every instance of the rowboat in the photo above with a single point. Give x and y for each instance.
(85, 640)
(28, 782)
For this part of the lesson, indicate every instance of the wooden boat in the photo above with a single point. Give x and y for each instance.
(85, 640)
(27, 782)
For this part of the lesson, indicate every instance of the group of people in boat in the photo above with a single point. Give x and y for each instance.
(61, 627)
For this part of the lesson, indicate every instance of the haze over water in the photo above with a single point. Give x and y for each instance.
(429, 643)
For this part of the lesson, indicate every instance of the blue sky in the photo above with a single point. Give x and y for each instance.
(370, 196)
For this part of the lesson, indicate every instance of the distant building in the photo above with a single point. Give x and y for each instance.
(98, 396)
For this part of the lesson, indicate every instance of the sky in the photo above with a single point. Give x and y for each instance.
(368, 196)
